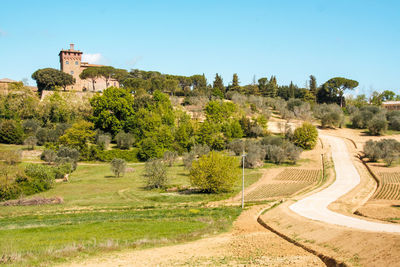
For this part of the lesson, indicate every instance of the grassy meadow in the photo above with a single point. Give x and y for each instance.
(101, 212)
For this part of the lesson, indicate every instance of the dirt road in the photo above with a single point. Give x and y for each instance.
(315, 206)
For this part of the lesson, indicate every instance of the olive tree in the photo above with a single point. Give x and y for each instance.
(31, 142)
(118, 167)
(155, 174)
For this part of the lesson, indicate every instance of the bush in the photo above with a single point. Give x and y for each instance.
(305, 136)
(11, 132)
(214, 173)
(118, 167)
(48, 155)
(124, 140)
(103, 141)
(276, 154)
(170, 157)
(127, 155)
(30, 126)
(386, 149)
(372, 151)
(255, 155)
(378, 125)
(329, 115)
(155, 174)
(11, 157)
(237, 146)
(149, 149)
(292, 152)
(30, 142)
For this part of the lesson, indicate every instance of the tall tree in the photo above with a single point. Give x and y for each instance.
(272, 87)
(292, 89)
(313, 85)
(218, 85)
(49, 79)
(336, 86)
(91, 73)
(235, 80)
(262, 86)
(107, 72)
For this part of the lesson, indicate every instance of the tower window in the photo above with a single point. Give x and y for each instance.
(72, 72)
(76, 62)
(66, 62)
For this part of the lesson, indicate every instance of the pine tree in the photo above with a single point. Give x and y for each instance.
(263, 86)
(218, 84)
(291, 90)
(272, 87)
(235, 80)
(313, 85)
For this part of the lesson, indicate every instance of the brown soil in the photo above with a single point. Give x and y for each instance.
(355, 248)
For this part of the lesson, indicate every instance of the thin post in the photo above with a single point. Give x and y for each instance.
(243, 155)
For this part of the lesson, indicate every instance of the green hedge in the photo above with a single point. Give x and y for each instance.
(127, 155)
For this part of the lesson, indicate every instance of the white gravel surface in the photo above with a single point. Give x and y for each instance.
(315, 206)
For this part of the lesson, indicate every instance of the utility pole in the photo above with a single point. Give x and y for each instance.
(243, 155)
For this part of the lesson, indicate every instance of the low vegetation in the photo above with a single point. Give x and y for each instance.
(386, 149)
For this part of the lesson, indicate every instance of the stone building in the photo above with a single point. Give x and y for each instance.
(391, 105)
(71, 63)
(5, 83)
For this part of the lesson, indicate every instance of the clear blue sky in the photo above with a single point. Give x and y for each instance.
(290, 39)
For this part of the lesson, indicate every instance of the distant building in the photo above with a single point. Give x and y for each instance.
(5, 83)
(391, 105)
(71, 63)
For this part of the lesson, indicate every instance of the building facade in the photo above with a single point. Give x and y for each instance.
(391, 105)
(71, 63)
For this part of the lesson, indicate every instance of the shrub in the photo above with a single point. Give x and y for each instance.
(124, 140)
(30, 142)
(11, 132)
(329, 115)
(149, 149)
(386, 149)
(42, 136)
(30, 126)
(170, 157)
(48, 155)
(276, 154)
(188, 158)
(66, 152)
(272, 140)
(255, 155)
(11, 157)
(292, 152)
(197, 151)
(127, 155)
(395, 123)
(103, 141)
(377, 125)
(372, 150)
(155, 174)
(214, 173)
(237, 146)
(390, 150)
(305, 136)
(42, 176)
(118, 167)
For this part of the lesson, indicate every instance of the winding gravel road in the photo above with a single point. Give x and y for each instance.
(315, 206)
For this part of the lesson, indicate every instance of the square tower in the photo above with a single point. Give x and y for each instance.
(70, 62)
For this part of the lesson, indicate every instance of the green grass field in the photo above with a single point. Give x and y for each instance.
(101, 212)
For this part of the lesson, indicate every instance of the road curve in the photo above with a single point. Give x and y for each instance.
(315, 206)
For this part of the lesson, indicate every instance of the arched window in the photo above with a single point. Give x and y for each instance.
(66, 62)
(72, 72)
(76, 62)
